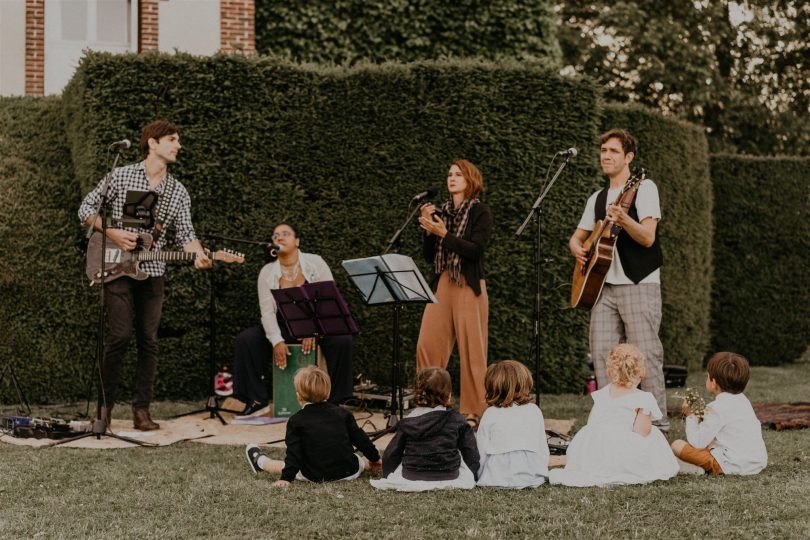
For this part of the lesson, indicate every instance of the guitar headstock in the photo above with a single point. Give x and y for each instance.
(229, 256)
(635, 179)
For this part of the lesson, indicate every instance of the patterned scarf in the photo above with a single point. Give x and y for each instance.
(455, 219)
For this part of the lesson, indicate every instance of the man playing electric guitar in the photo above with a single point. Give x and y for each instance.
(135, 306)
(629, 307)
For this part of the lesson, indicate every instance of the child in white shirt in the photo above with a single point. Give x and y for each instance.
(729, 439)
(512, 435)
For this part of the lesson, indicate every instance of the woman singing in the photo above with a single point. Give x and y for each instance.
(455, 244)
(259, 343)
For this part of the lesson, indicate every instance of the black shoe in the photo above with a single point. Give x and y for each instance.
(253, 453)
(257, 408)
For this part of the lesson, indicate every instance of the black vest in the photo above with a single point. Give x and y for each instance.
(638, 261)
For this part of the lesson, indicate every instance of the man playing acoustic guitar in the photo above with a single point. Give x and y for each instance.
(629, 307)
(136, 305)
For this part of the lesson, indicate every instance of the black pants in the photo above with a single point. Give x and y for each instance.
(132, 307)
(253, 353)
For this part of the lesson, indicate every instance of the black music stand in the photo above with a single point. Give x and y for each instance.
(394, 280)
(315, 309)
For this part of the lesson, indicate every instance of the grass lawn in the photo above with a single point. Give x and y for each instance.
(193, 490)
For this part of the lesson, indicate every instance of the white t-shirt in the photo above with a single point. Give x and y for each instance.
(647, 205)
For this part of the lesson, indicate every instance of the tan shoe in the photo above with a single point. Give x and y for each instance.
(142, 421)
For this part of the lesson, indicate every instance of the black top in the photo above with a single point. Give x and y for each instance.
(319, 443)
(428, 447)
(470, 246)
(638, 261)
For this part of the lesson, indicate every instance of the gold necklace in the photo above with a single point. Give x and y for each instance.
(288, 274)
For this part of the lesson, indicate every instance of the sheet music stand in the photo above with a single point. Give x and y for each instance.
(394, 280)
(315, 309)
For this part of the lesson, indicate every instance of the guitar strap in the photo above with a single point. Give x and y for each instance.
(163, 208)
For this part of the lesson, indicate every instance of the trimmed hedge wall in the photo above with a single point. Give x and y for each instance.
(349, 31)
(675, 154)
(761, 289)
(340, 152)
(43, 303)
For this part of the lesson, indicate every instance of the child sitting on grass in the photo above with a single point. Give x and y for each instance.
(434, 447)
(729, 439)
(619, 445)
(512, 435)
(320, 438)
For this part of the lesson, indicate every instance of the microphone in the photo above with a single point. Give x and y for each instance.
(272, 249)
(123, 144)
(570, 153)
(428, 193)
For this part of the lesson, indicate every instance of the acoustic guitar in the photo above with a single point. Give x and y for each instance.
(119, 263)
(589, 279)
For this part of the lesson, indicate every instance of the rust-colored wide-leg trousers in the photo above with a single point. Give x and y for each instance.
(461, 317)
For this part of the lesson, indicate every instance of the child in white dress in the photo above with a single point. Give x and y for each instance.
(512, 435)
(434, 446)
(619, 445)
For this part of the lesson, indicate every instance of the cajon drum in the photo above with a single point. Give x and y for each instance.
(285, 404)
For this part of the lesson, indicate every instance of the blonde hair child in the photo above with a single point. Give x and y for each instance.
(619, 445)
(512, 436)
(320, 438)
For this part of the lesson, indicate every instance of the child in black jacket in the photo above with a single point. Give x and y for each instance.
(320, 438)
(434, 446)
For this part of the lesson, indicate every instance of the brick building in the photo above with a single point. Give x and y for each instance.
(41, 41)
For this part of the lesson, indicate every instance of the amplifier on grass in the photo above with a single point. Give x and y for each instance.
(675, 376)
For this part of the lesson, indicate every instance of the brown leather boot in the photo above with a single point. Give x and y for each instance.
(105, 414)
(142, 421)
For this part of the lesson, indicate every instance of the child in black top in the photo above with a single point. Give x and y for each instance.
(434, 446)
(320, 438)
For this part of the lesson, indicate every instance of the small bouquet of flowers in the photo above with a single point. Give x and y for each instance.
(695, 402)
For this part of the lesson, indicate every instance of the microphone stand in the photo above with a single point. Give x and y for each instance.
(212, 405)
(535, 213)
(395, 240)
(99, 426)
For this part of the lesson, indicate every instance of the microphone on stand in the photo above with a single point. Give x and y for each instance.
(123, 144)
(272, 250)
(427, 194)
(570, 153)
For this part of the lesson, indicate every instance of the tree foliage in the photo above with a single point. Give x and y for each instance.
(738, 68)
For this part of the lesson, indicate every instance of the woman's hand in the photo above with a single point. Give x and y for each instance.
(430, 224)
(280, 354)
(281, 484)
(308, 345)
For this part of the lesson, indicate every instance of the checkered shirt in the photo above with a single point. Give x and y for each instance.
(133, 177)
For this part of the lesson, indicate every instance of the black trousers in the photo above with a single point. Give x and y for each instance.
(133, 307)
(253, 353)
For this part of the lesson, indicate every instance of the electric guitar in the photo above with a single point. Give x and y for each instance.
(119, 263)
(589, 279)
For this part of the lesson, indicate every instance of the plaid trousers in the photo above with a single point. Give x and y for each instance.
(630, 314)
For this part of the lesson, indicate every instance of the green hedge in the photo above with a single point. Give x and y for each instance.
(349, 31)
(675, 154)
(43, 305)
(339, 152)
(761, 290)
